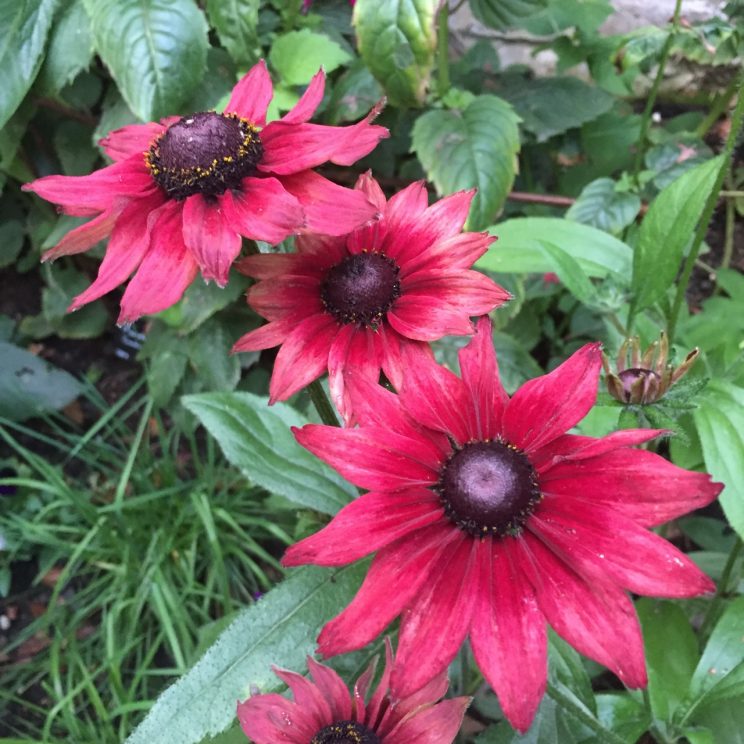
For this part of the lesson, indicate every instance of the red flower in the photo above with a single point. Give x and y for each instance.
(489, 521)
(183, 191)
(367, 299)
(323, 711)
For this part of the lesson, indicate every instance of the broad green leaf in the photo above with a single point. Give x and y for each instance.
(298, 55)
(503, 14)
(70, 49)
(236, 22)
(566, 670)
(666, 229)
(354, 94)
(609, 139)
(519, 248)
(473, 148)
(722, 723)
(570, 272)
(257, 439)
(671, 654)
(622, 715)
(601, 205)
(156, 51)
(280, 629)
(29, 385)
(550, 106)
(23, 33)
(11, 241)
(397, 39)
(209, 355)
(720, 673)
(719, 419)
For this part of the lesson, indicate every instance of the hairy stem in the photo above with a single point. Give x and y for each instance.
(443, 76)
(322, 403)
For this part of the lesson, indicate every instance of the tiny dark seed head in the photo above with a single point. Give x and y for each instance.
(345, 732)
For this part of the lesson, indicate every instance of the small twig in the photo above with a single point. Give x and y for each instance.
(720, 104)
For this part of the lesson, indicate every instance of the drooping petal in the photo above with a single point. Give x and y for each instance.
(406, 565)
(308, 698)
(369, 237)
(638, 484)
(134, 139)
(508, 636)
(332, 688)
(129, 242)
(291, 148)
(434, 626)
(437, 724)
(266, 337)
(548, 406)
(458, 252)
(287, 297)
(330, 209)
(266, 719)
(262, 210)
(86, 236)
(367, 524)
(270, 265)
(601, 541)
(597, 619)
(309, 102)
(399, 354)
(213, 243)
(371, 457)
(96, 192)
(166, 269)
(303, 356)
(252, 95)
(423, 317)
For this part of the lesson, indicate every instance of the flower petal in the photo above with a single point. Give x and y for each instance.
(252, 95)
(210, 238)
(311, 99)
(262, 210)
(367, 524)
(166, 270)
(399, 354)
(329, 209)
(288, 297)
(308, 698)
(86, 236)
(457, 252)
(332, 688)
(266, 719)
(266, 337)
(134, 139)
(548, 406)
(435, 623)
(422, 317)
(508, 636)
(437, 724)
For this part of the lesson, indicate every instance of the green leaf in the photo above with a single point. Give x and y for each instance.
(519, 248)
(236, 24)
(667, 229)
(550, 106)
(156, 50)
(397, 39)
(503, 14)
(475, 147)
(671, 654)
(354, 94)
(209, 355)
(30, 386)
(70, 49)
(298, 55)
(23, 33)
(720, 673)
(11, 241)
(279, 629)
(719, 420)
(622, 715)
(601, 205)
(257, 439)
(570, 272)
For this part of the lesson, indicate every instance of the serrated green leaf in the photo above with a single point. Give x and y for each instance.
(23, 33)
(280, 629)
(601, 205)
(236, 24)
(70, 49)
(30, 386)
(298, 55)
(476, 147)
(719, 420)
(257, 439)
(519, 248)
(503, 14)
(156, 50)
(666, 229)
(396, 40)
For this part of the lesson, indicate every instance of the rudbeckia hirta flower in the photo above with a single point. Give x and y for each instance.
(324, 712)
(372, 299)
(488, 520)
(182, 192)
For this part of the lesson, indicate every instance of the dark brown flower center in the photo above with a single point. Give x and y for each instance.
(204, 153)
(489, 488)
(361, 289)
(345, 732)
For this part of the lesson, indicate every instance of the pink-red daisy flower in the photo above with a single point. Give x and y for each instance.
(490, 521)
(182, 192)
(365, 299)
(323, 711)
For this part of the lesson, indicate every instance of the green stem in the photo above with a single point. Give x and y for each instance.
(710, 205)
(322, 404)
(651, 100)
(728, 239)
(604, 735)
(443, 79)
(720, 104)
(731, 194)
(721, 589)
